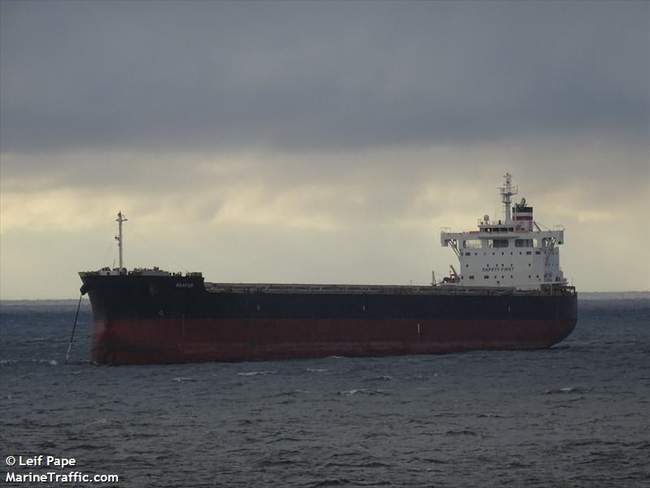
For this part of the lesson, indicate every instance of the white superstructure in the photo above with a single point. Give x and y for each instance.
(513, 252)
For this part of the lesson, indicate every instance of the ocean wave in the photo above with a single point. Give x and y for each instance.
(329, 482)
(384, 377)
(274, 462)
(461, 432)
(289, 393)
(363, 391)
(564, 390)
(99, 421)
(255, 373)
(36, 340)
(369, 464)
(8, 362)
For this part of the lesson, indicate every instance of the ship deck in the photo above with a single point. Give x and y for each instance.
(330, 289)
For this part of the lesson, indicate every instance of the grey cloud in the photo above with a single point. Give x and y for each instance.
(323, 76)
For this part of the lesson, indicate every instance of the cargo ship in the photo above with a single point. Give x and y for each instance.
(509, 293)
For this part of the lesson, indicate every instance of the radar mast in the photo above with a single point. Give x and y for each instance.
(507, 191)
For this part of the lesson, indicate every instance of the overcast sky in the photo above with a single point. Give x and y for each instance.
(317, 141)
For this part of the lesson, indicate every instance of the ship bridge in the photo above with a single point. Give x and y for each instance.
(512, 252)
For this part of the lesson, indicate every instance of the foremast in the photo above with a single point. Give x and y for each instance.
(120, 237)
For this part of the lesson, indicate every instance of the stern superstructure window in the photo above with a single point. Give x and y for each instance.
(499, 243)
(472, 244)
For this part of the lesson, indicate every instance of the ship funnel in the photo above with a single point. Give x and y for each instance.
(522, 215)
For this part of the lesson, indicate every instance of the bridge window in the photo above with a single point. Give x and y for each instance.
(499, 243)
(472, 244)
(523, 243)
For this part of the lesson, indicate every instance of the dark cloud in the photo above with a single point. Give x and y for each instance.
(323, 76)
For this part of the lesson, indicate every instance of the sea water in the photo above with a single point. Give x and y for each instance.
(573, 415)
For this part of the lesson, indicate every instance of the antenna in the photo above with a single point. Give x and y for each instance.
(507, 191)
(119, 238)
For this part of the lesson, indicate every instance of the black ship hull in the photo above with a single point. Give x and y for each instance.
(143, 319)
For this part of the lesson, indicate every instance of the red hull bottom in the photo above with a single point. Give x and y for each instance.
(156, 341)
